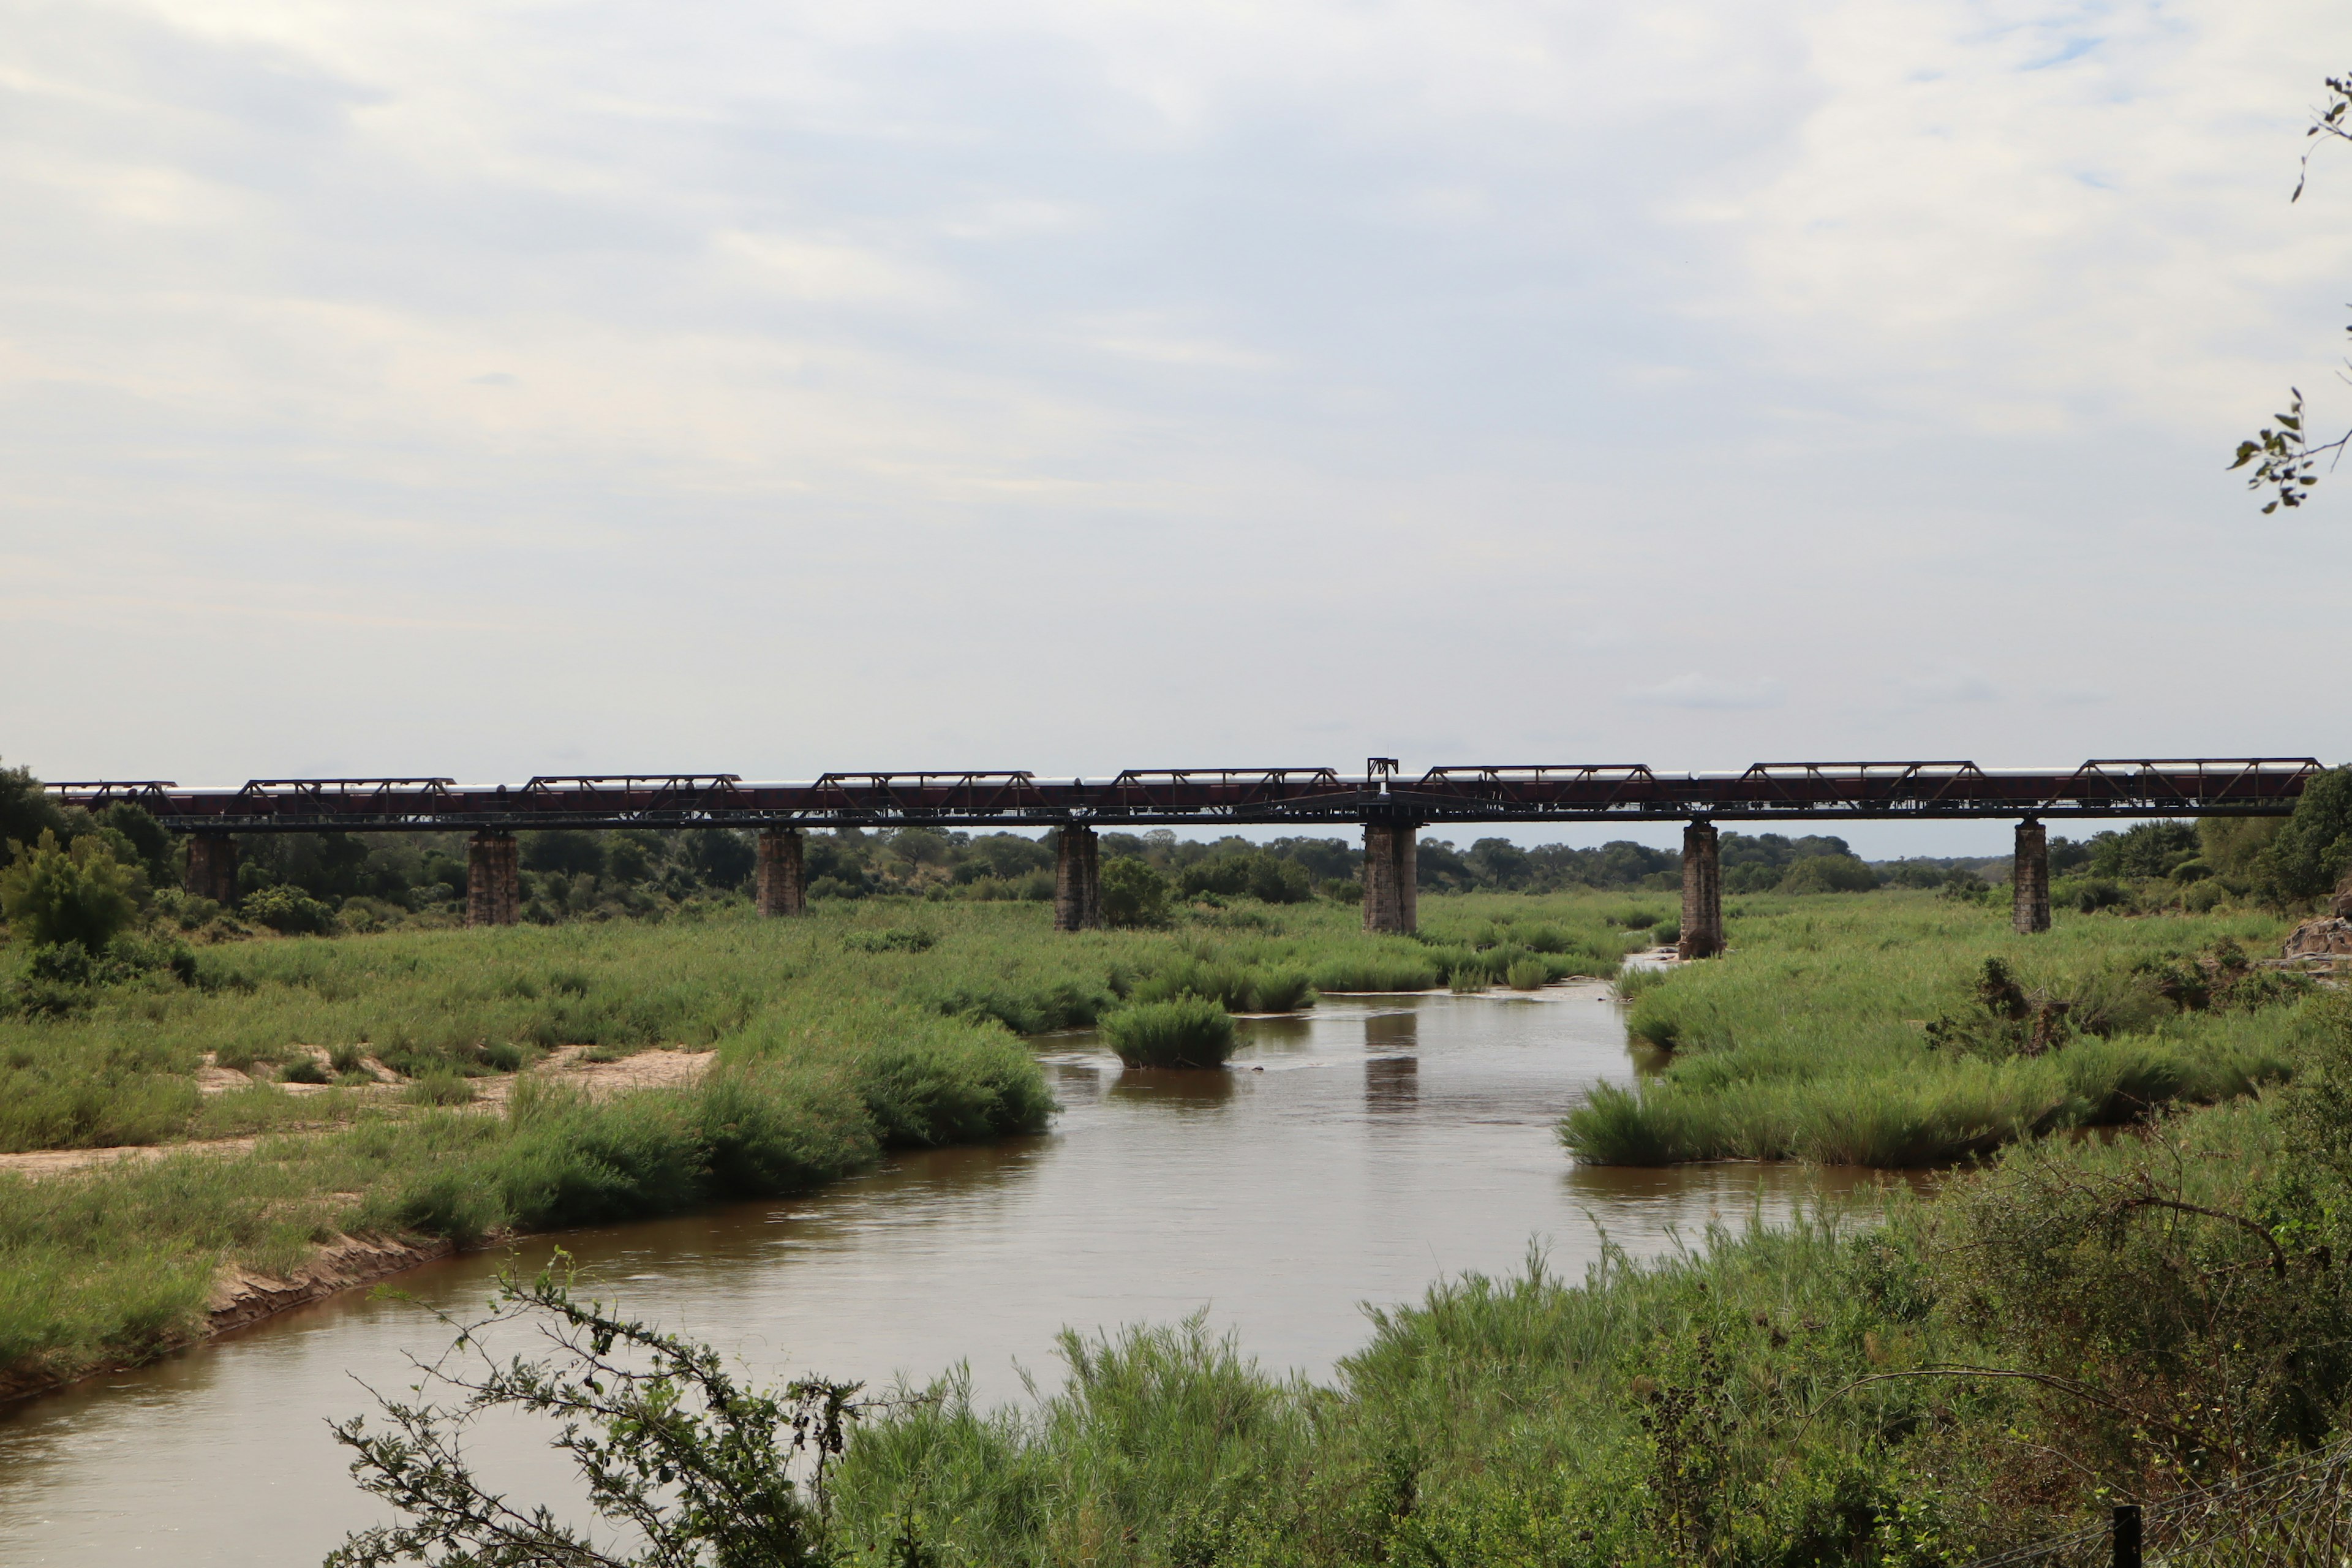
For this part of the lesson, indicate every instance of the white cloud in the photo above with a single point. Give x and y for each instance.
(1692, 690)
(1137, 382)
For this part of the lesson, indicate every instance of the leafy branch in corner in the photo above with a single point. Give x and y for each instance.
(2285, 458)
(688, 1466)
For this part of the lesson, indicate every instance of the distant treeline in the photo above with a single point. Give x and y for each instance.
(305, 881)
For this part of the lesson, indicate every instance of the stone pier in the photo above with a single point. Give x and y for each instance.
(1702, 892)
(212, 867)
(1391, 890)
(493, 880)
(1077, 879)
(2030, 878)
(781, 879)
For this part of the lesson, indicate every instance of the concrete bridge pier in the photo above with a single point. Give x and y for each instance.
(2030, 878)
(212, 867)
(780, 879)
(1077, 879)
(1702, 892)
(493, 880)
(1391, 892)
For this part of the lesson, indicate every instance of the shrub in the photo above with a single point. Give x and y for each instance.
(1527, 974)
(1133, 894)
(288, 911)
(303, 1068)
(1669, 932)
(55, 895)
(1187, 1033)
(2092, 894)
(1252, 873)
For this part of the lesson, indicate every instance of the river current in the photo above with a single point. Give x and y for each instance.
(1350, 1155)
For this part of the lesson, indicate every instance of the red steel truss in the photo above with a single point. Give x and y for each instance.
(2193, 786)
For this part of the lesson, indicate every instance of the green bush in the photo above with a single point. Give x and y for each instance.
(1134, 896)
(303, 1068)
(1187, 1033)
(1527, 974)
(1248, 873)
(54, 894)
(288, 911)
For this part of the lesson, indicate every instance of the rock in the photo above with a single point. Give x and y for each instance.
(2329, 935)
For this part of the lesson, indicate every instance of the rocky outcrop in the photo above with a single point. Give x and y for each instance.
(2330, 936)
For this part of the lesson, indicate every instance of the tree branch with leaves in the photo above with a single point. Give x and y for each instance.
(2285, 459)
(687, 1467)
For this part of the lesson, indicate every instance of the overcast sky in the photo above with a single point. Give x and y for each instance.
(487, 390)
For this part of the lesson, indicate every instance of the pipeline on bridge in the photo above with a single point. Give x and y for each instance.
(1389, 807)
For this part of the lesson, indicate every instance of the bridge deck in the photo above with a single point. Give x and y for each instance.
(1304, 797)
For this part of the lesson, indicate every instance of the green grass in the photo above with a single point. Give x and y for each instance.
(1809, 1040)
(804, 1095)
(1189, 1032)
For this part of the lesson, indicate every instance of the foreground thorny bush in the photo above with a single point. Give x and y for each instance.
(683, 1464)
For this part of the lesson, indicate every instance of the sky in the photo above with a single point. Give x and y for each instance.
(494, 389)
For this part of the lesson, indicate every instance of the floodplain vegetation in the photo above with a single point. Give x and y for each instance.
(1921, 1376)
(2126, 1281)
(870, 1025)
(1902, 1031)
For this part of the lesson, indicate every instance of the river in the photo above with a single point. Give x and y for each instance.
(1353, 1154)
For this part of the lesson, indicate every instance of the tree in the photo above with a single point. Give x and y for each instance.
(721, 857)
(26, 811)
(53, 894)
(2304, 858)
(1133, 894)
(565, 849)
(2285, 458)
(2146, 849)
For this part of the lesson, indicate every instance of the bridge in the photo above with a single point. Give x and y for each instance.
(1389, 807)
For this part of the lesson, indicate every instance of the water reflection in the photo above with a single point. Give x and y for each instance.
(1393, 1032)
(1183, 1089)
(1392, 1084)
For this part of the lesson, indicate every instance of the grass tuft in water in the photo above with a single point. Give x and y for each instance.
(1190, 1032)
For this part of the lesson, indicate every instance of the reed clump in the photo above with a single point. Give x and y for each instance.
(1189, 1032)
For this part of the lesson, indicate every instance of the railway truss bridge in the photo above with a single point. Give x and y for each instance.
(1390, 806)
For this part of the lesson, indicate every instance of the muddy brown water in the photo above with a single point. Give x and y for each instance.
(1351, 1156)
